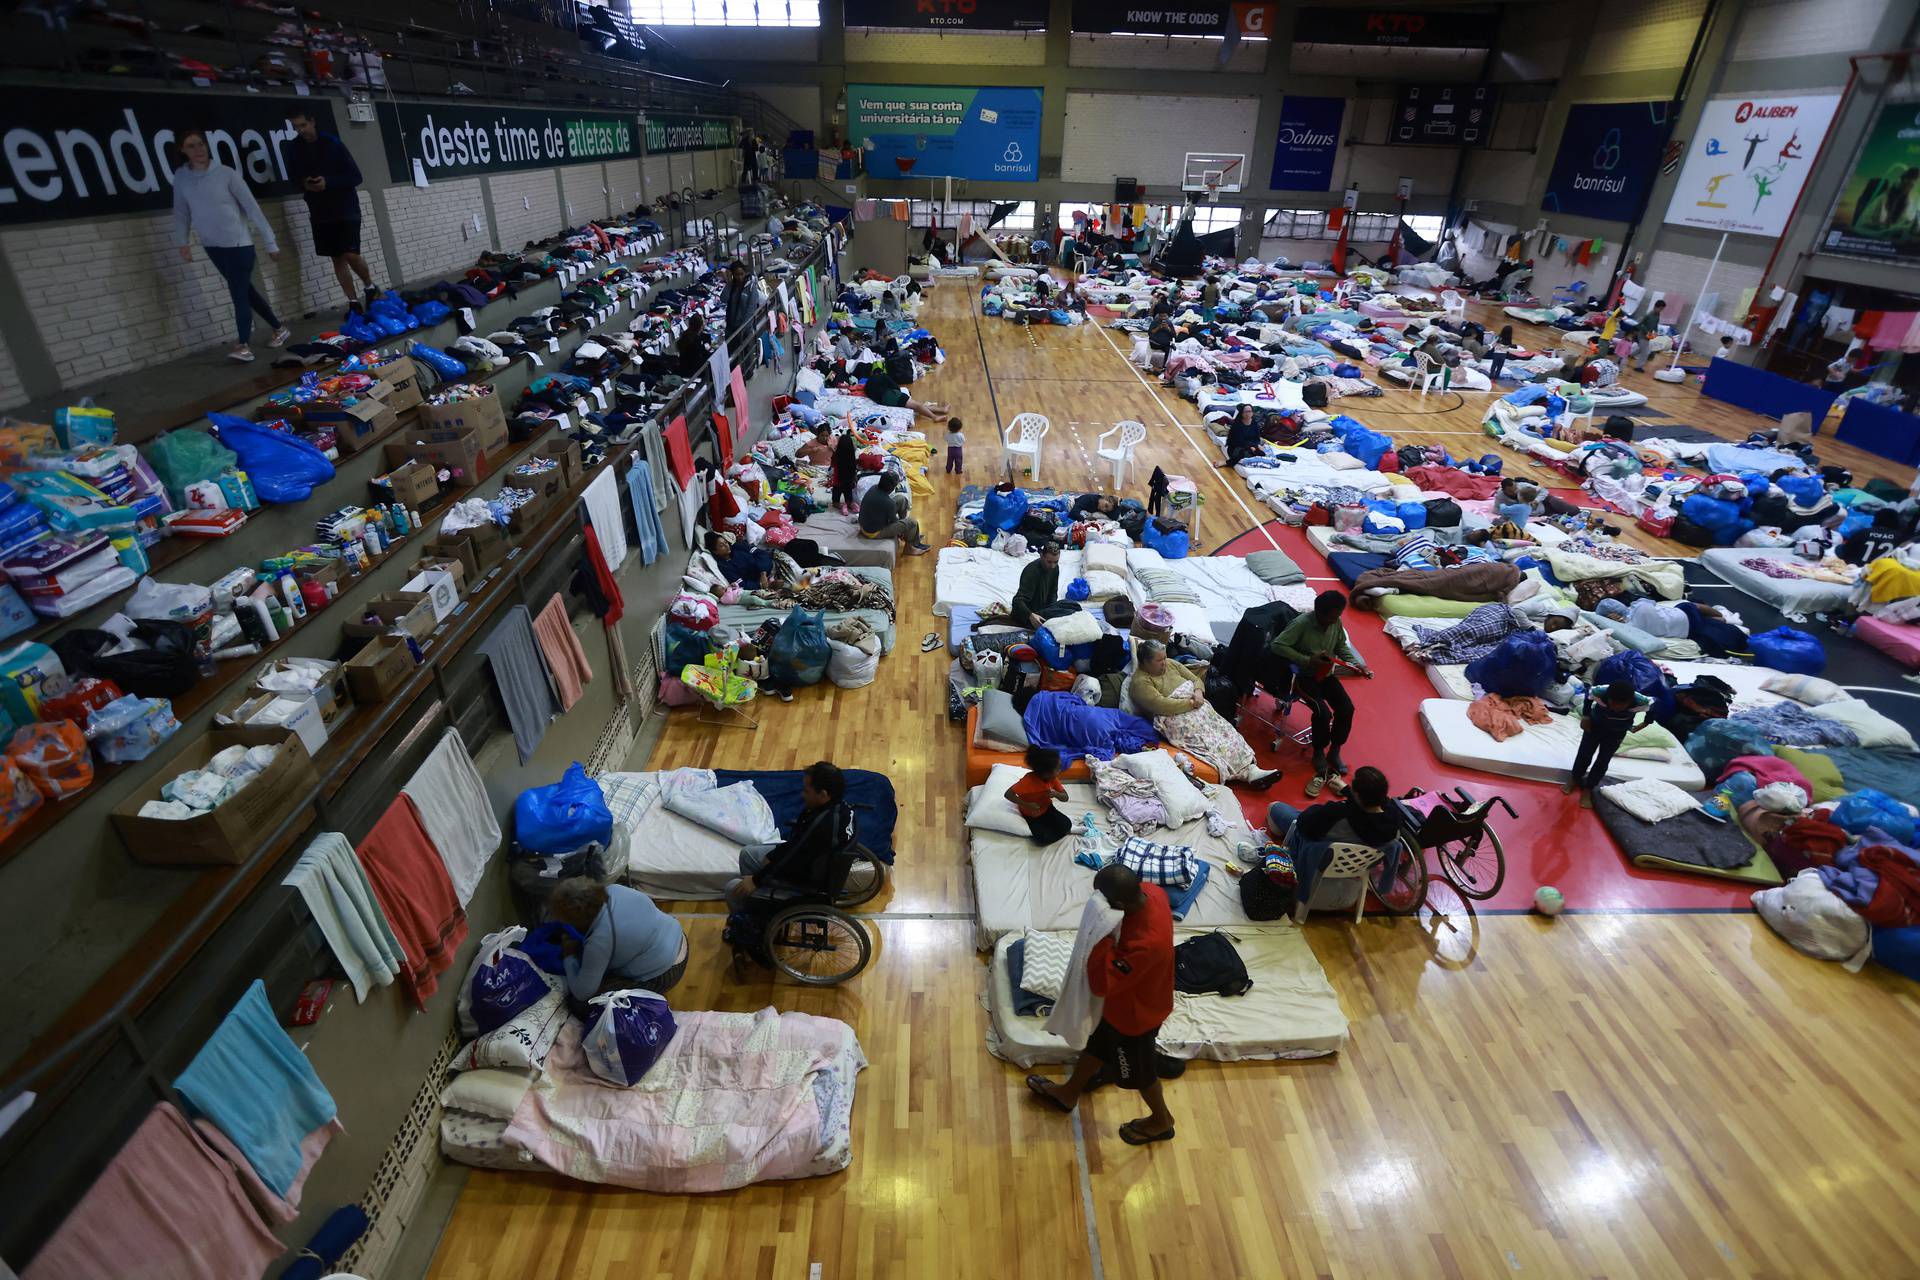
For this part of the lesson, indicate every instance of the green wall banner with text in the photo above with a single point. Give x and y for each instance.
(1878, 215)
(452, 140)
(666, 134)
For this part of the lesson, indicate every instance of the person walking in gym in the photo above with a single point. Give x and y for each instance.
(325, 170)
(213, 199)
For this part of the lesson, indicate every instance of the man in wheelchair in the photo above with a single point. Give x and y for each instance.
(802, 865)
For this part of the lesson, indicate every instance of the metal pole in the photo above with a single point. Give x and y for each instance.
(1694, 317)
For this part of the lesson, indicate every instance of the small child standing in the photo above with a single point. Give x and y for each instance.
(956, 441)
(1608, 717)
(1035, 793)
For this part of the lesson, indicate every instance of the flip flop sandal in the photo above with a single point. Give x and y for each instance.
(1037, 1086)
(930, 642)
(1131, 1135)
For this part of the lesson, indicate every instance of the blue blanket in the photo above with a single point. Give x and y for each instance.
(1349, 565)
(869, 795)
(1074, 729)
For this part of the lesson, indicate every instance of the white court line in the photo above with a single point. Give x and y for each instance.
(1232, 490)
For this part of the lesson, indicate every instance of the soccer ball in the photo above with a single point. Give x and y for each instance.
(1548, 901)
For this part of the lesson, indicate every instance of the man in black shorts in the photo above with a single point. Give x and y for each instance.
(325, 170)
(1134, 972)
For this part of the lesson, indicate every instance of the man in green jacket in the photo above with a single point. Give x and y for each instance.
(1315, 642)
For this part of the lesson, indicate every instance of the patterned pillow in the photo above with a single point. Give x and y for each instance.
(1811, 690)
(519, 1045)
(1047, 956)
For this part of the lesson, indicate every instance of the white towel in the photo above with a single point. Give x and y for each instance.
(330, 879)
(1077, 1011)
(602, 500)
(455, 812)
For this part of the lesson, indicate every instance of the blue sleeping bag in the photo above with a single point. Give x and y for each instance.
(1060, 720)
(869, 795)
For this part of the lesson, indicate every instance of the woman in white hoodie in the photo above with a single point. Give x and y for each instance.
(212, 199)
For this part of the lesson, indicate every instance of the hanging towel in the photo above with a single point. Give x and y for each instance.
(330, 879)
(452, 803)
(521, 673)
(593, 582)
(1077, 1011)
(272, 1206)
(566, 660)
(167, 1201)
(602, 500)
(691, 500)
(411, 882)
(646, 517)
(252, 1081)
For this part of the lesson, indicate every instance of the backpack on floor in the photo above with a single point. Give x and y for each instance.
(1209, 965)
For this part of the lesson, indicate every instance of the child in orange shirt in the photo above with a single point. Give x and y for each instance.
(1035, 793)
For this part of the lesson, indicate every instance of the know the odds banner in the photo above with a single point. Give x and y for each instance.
(1878, 215)
(453, 140)
(945, 131)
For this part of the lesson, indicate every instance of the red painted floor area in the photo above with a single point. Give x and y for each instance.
(1554, 841)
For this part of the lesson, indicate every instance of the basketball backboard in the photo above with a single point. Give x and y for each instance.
(1214, 171)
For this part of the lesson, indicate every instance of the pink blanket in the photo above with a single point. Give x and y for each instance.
(736, 1098)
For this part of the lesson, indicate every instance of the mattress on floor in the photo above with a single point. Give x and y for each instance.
(1018, 885)
(1899, 641)
(1692, 843)
(1800, 595)
(980, 576)
(1291, 1012)
(1542, 753)
(1465, 377)
(1349, 565)
(981, 759)
(745, 618)
(1306, 471)
(1224, 584)
(1451, 680)
(669, 856)
(841, 535)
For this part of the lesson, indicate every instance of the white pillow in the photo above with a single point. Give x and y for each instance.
(486, 1092)
(988, 808)
(1875, 730)
(1047, 957)
(1183, 800)
(1811, 690)
(1104, 584)
(1104, 557)
(521, 1044)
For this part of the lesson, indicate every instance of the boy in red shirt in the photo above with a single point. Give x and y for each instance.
(1134, 972)
(1033, 795)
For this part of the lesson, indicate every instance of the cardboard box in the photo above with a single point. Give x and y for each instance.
(490, 545)
(403, 384)
(452, 566)
(437, 586)
(529, 516)
(331, 692)
(550, 484)
(412, 612)
(380, 667)
(232, 833)
(297, 713)
(567, 453)
(355, 426)
(439, 450)
(412, 484)
(452, 547)
(482, 416)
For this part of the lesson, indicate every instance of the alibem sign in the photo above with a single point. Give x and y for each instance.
(73, 153)
(666, 134)
(452, 140)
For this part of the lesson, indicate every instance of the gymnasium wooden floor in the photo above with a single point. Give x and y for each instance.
(1626, 1095)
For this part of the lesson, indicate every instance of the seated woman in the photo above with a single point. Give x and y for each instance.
(1365, 816)
(1173, 696)
(1243, 436)
(629, 942)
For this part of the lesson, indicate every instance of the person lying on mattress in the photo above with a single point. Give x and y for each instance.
(1173, 696)
(802, 861)
(739, 561)
(1092, 504)
(1315, 642)
(629, 942)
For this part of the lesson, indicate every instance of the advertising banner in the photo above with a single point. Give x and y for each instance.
(667, 134)
(1195, 18)
(452, 139)
(1878, 215)
(1745, 167)
(76, 153)
(946, 131)
(949, 15)
(1303, 150)
(1607, 158)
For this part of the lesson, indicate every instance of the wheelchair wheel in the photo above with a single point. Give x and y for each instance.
(1407, 890)
(1477, 865)
(818, 946)
(866, 877)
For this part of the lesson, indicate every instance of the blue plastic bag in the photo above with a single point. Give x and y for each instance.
(1413, 514)
(1524, 664)
(564, 816)
(1003, 509)
(1805, 490)
(799, 652)
(505, 983)
(629, 1033)
(1171, 546)
(1868, 808)
(282, 466)
(1638, 670)
(1785, 649)
(1718, 517)
(1077, 590)
(439, 361)
(430, 312)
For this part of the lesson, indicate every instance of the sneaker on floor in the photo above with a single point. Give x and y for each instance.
(242, 354)
(281, 337)
(1314, 785)
(785, 695)
(1336, 784)
(918, 548)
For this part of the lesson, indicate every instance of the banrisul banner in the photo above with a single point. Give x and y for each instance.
(72, 153)
(1309, 136)
(1608, 155)
(944, 131)
(666, 134)
(1879, 211)
(949, 15)
(452, 140)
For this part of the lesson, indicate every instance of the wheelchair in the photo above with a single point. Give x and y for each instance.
(803, 932)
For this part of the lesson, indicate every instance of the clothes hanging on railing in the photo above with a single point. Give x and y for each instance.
(334, 886)
(646, 516)
(525, 687)
(602, 500)
(455, 812)
(566, 660)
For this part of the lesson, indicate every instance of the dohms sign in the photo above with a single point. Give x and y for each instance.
(452, 140)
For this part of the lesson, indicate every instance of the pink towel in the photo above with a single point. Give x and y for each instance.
(566, 660)
(411, 883)
(166, 1208)
(272, 1206)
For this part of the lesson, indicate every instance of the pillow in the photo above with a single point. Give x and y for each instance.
(1103, 557)
(1183, 800)
(1652, 736)
(1275, 568)
(487, 1092)
(988, 808)
(1811, 690)
(1164, 586)
(1821, 773)
(1047, 958)
(1874, 729)
(999, 726)
(522, 1044)
(1104, 584)
(739, 812)
(1074, 628)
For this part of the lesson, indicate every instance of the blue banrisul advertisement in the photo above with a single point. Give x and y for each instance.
(1304, 149)
(1609, 153)
(946, 131)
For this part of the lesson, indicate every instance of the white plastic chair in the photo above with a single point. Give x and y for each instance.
(1022, 439)
(1132, 436)
(1349, 862)
(1456, 306)
(1425, 372)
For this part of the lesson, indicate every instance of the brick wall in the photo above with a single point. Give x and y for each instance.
(1148, 136)
(1645, 35)
(526, 206)
(1550, 269)
(433, 226)
(11, 392)
(623, 184)
(304, 280)
(1794, 28)
(659, 176)
(1681, 277)
(581, 188)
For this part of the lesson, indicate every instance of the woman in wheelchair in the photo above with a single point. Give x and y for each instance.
(802, 863)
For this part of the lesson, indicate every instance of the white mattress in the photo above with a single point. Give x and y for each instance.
(1803, 596)
(671, 856)
(1542, 753)
(1286, 395)
(1465, 377)
(1017, 885)
(979, 577)
(841, 534)
(1226, 587)
(1451, 680)
(1309, 472)
(1291, 1012)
